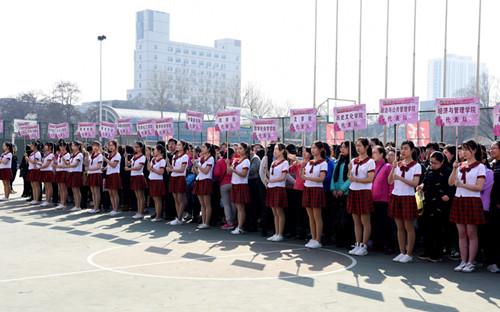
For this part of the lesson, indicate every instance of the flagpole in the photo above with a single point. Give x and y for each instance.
(359, 65)
(315, 45)
(478, 66)
(444, 60)
(386, 64)
(414, 57)
(336, 64)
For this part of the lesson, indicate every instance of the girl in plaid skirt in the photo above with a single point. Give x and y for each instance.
(276, 192)
(177, 183)
(403, 204)
(113, 182)
(5, 168)
(46, 173)
(360, 200)
(137, 179)
(203, 183)
(61, 177)
(240, 194)
(314, 195)
(75, 179)
(33, 171)
(156, 168)
(467, 208)
(94, 177)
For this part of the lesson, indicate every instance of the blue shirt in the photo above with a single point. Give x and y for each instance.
(329, 175)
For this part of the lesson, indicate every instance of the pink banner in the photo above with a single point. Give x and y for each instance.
(62, 131)
(496, 120)
(124, 126)
(265, 129)
(22, 126)
(33, 132)
(194, 121)
(227, 121)
(213, 136)
(51, 132)
(146, 128)
(164, 127)
(423, 135)
(350, 117)
(332, 136)
(1, 126)
(303, 120)
(107, 130)
(457, 111)
(86, 130)
(398, 111)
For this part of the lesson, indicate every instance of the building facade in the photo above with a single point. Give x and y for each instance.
(188, 72)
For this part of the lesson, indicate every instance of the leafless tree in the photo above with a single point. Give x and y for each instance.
(67, 94)
(182, 90)
(159, 89)
(253, 98)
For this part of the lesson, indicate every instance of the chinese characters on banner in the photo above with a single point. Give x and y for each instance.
(350, 117)
(212, 136)
(86, 130)
(124, 126)
(332, 136)
(303, 120)
(1, 126)
(194, 121)
(33, 132)
(227, 121)
(265, 129)
(496, 120)
(423, 135)
(164, 127)
(62, 131)
(107, 130)
(146, 128)
(51, 132)
(398, 111)
(457, 111)
(22, 127)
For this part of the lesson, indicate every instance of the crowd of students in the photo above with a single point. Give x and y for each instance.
(359, 195)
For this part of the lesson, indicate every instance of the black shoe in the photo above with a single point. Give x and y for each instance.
(455, 256)
(29, 199)
(435, 259)
(424, 257)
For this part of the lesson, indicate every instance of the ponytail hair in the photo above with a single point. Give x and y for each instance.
(78, 144)
(115, 143)
(38, 145)
(10, 147)
(50, 145)
(282, 147)
(366, 143)
(211, 149)
(472, 145)
(321, 147)
(161, 148)
(142, 146)
(185, 146)
(246, 148)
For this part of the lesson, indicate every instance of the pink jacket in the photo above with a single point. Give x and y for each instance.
(220, 172)
(381, 190)
(299, 183)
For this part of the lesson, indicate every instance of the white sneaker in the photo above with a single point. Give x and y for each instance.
(406, 259)
(237, 231)
(278, 238)
(94, 211)
(44, 204)
(203, 226)
(175, 222)
(469, 268)
(33, 202)
(398, 257)
(113, 213)
(60, 206)
(460, 267)
(362, 250)
(138, 216)
(315, 245)
(4, 199)
(271, 237)
(493, 268)
(311, 242)
(156, 220)
(75, 209)
(355, 249)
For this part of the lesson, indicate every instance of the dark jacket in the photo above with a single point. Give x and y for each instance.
(435, 187)
(495, 192)
(23, 168)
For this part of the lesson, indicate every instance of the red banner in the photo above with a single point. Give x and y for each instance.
(423, 135)
(212, 136)
(332, 136)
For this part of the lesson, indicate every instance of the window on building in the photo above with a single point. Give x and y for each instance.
(156, 47)
(170, 59)
(223, 56)
(201, 63)
(178, 50)
(193, 71)
(209, 64)
(209, 54)
(237, 59)
(169, 77)
(216, 65)
(193, 62)
(170, 68)
(156, 67)
(186, 51)
(140, 66)
(156, 57)
(177, 70)
(186, 61)
(202, 53)
(223, 75)
(140, 85)
(209, 74)
(177, 59)
(193, 52)
(170, 49)
(140, 57)
(223, 66)
(140, 47)
(216, 55)
(237, 68)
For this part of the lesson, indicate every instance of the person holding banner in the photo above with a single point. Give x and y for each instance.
(94, 176)
(403, 204)
(360, 199)
(276, 197)
(314, 195)
(137, 180)
(33, 171)
(177, 184)
(467, 208)
(62, 174)
(112, 181)
(203, 183)
(240, 194)
(46, 172)
(156, 168)
(5, 169)
(75, 178)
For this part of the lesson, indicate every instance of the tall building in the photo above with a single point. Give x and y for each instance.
(460, 71)
(193, 72)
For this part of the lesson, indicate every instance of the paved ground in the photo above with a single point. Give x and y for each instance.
(60, 261)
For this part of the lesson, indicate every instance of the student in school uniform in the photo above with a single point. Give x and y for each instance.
(94, 176)
(313, 199)
(403, 204)
(467, 208)
(240, 194)
(5, 169)
(62, 173)
(137, 180)
(46, 172)
(360, 200)
(33, 171)
(157, 189)
(203, 183)
(75, 178)
(177, 184)
(276, 197)
(112, 181)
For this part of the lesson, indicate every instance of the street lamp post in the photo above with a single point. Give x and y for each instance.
(100, 38)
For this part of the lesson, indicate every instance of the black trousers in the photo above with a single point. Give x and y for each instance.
(433, 229)
(383, 227)
(254, 208)
(301, 217)
(489, 237)
(328, 217)
(343, 224)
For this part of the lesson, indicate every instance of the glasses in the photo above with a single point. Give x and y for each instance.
(494, 148)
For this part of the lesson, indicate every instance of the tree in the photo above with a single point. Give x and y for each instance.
(182, 89)
(254, 99)
(159, 89)
(67, 94)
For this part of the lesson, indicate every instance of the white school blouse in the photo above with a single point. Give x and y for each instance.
(134, 163)
(235, 178)
(4, 157)
(316, 170)
(60, 161)
(157, 165)
(45, 160)
(117, 158)
(208, 162)
(177, 164)
(35, 157)
(470, 179)
(401, 188)
(72, 161)
(94, 163)
(276, 172)
(363, 170)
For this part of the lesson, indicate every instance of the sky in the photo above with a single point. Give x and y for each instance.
(52, 40)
